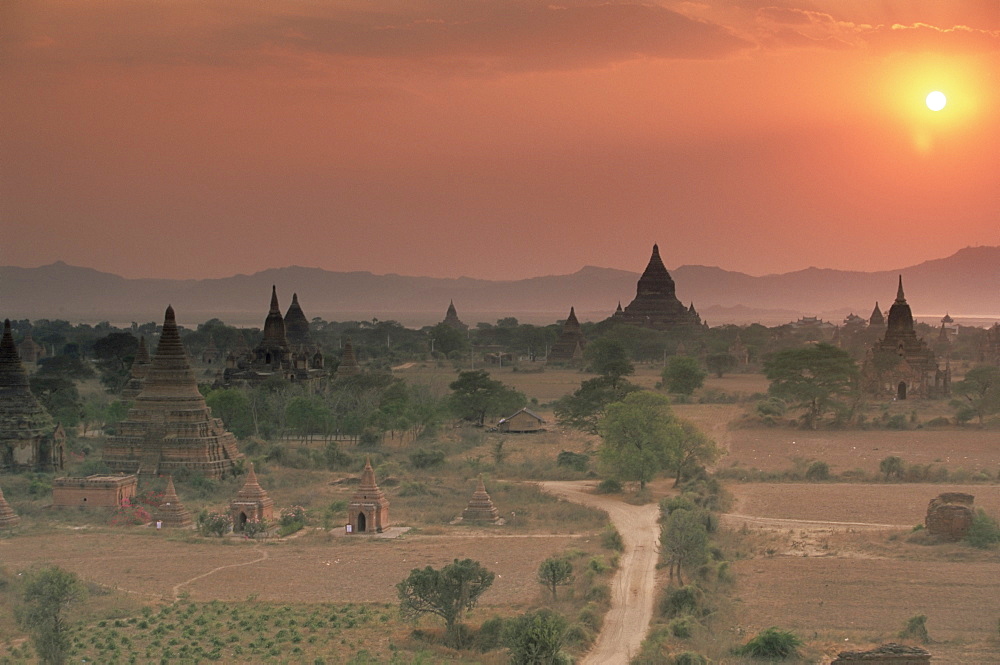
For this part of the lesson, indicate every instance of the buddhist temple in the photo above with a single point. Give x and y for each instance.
(8, 518)
(877, 319)
(172, 512)
(96, 491)
(211, 354)
(901, 365)
(30, 440)
(348, 362)
(656, 305)
(285, 350)
(369, 509)
(252, 504)
(169, 426)
(568, 347)
(480, 508)
(451, 318)
(29, 350)
(137, 375)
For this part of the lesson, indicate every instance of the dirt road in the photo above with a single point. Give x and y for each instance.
(633, 588)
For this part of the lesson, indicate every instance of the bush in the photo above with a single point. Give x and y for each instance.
(535, 638)
(669, 505)
(425, 459)
(690, 658)
(682, 627)
(679, 601)
(818, 471)
(984, 532)
(916, 628)
(490, 634)
(611, 539)
(575, 461)
(772, 643)
(609, 486)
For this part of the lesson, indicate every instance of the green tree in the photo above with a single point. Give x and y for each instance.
(233, 406)
(639, 435)
(584, 408)
(609, 358)
(891, 467)
(449, 593)
(535, 638)
(114, 353)
(693, 451)
(683, 375)
(307, 415)
(48, 593)
(979, 391)
(555, 572)
(815, 377)
(684, 541)
(447, 340)
(720, 363)
(475, 395)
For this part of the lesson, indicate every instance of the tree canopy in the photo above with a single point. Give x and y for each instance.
(978, 393)
(642, 438)
(816, 378)
(584, 408)
(609, 358)
(683, 375)
(475, 395)
(449, 593)
(48, 592)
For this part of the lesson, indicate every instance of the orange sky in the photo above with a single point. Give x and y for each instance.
(495, 138)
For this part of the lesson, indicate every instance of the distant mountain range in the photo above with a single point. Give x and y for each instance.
(966, 284)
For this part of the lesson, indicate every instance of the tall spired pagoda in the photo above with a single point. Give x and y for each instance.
(451, 318)
(902, 365)
(656, 304)
(30, 439)
(169, 426)
(568, 347)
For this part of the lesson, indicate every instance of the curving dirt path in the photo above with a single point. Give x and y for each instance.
(257, 548)
(633, 588)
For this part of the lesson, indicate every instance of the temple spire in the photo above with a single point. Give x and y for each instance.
(900, 298)
(274, 300)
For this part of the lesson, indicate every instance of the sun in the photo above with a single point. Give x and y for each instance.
(936, 100)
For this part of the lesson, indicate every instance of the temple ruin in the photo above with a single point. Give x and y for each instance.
(30, 439)
(655, 304)
(97, 491)
(348, 361)
(171, 512)
(949, 516)
(169, 427)
(8, 518)
(451, 318)
(369, 509)
(137, 374)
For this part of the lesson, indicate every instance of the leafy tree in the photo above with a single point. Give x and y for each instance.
(535, 638)
(684, 541)
(891, 467)
(475, 395)
(693, 451)
(683, 375)
(609, 358)
(720, 363)
(814, 377)
(449, 593)
(772, 644)
(555, 572)
(307, 415)
(115, 353)
(447, 339)
(233, 406)
(48, 593)
(640, 437)
(984, 532)
(584, 408)
(59, 395)
(979, 391)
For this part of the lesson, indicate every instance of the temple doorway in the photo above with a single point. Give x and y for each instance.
(361, 522)
(901, 390)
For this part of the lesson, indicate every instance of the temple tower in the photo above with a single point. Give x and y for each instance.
(169, 426)
(8, 518)
(348, 362)
(172, 512)
(369, 509)
(252, 504)
(655, 304)
(296, 325)
(272, 352)
(451, 318)
(480, 508)
(29, 437)
(137, 375)
(568, 347)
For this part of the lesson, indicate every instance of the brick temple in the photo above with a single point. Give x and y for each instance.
(655, 304)
(568, 347)
(169, 427)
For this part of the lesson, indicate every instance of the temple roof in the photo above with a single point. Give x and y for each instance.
(877, 318)
(13, 376)
(900, 320)
(274, 324)
(170, 376)
(348, 361)
(251, 490)
(655, 279)
(296, 324)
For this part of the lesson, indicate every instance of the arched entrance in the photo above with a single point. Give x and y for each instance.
(901, 390)
(361, 522)
(241, 521)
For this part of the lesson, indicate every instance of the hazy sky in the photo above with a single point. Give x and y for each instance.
(495, 138)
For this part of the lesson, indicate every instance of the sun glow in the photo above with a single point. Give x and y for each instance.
(936, 100)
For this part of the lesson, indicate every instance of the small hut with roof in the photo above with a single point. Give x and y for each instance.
(369, 509)
(252, 504)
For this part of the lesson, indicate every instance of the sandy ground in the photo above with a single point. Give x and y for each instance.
(633, 588)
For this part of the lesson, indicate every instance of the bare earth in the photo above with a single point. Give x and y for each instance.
(634, 585)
